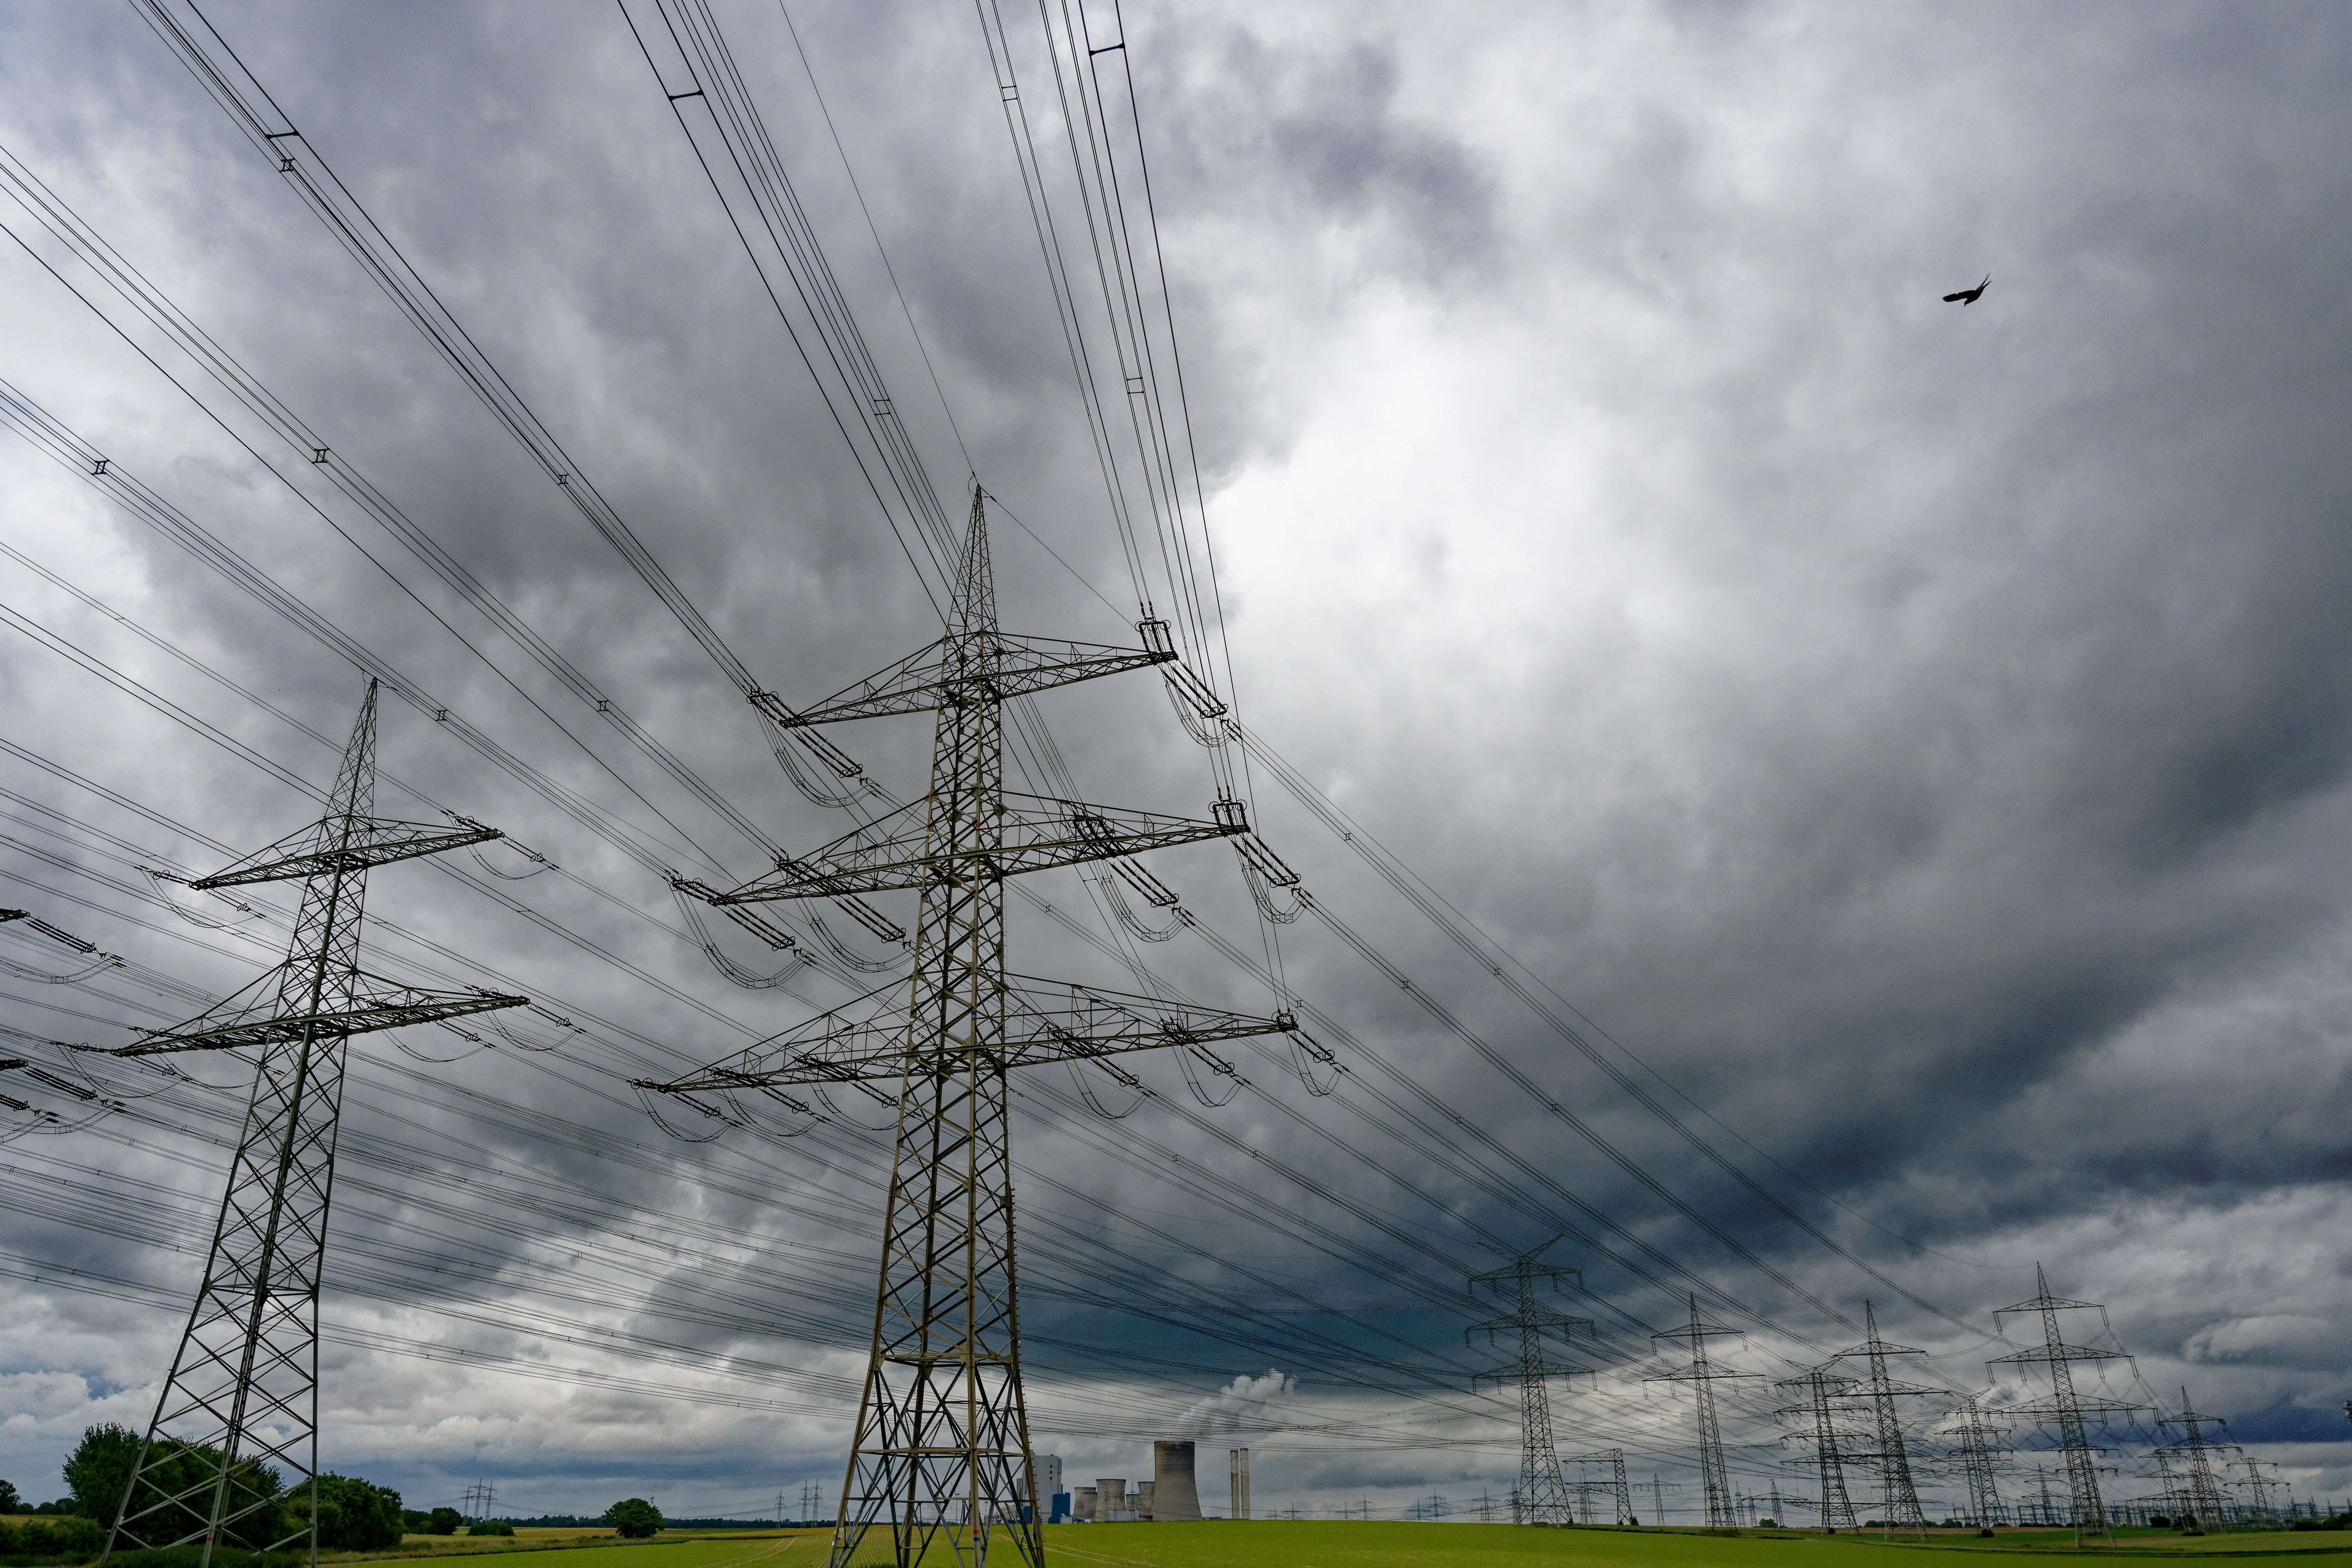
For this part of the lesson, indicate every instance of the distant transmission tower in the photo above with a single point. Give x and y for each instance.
(1820, 1388)
(2261, 1485)
(242, 1399)
(2202, 1488)
(1543, 1496)
(941, 1444)
(1982, 1447)
(2045, 1507)
(2064, 1407)
(479, 1499)
(1703, 1374)
(1618, 1491)
(1658, 1490)
(1900, 1498)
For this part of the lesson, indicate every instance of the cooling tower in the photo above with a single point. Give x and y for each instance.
(1082, 1503)
(1173, 1494)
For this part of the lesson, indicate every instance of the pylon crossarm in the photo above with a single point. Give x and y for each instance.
(1045, 1021)
(2042, 1353)
(999, 664)
(255, 1024)
(313, 853)
(1036, 835)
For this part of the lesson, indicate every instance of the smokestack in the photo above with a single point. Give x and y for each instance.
(1239, 1459)
(1173, 1493)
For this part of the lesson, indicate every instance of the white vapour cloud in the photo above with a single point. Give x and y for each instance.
(1246, 1402)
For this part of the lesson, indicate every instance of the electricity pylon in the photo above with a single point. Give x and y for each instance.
(941, 1446)
(1900, 1496)
(1820, 1385)
(1621, 1492)
(1543, 1495)
(1703, 1374)
(1981, 1444)
(2202, 1489)
(241, 1405)
(2064, 1407)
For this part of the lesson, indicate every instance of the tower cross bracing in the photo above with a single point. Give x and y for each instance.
(941, 1457)
(239, 1409)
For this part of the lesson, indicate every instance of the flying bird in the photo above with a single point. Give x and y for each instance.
(1966, 296)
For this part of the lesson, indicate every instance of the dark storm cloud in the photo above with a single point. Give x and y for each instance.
(1920, 734)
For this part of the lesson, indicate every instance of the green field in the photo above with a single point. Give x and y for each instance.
(1382, 1544)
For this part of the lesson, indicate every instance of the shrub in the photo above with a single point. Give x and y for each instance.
(70, 1539)
(443, 1521)
(633, 1519)
(491, 1527)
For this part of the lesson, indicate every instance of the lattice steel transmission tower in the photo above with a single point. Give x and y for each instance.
(1543, 1496)
(2046, 1506)
(2064, 1407)
(1899, 1497)
(1703, 1374)
(941, 1446)
(1820, 1386)
(242, 1398)
(1982, 1444)
(1619, 1490)
(2200, 1488)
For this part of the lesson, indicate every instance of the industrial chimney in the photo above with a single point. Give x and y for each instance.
(1173, 1493)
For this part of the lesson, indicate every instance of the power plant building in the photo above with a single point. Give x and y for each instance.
(1174, 1494)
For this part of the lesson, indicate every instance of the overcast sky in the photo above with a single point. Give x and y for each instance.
(1916, 739)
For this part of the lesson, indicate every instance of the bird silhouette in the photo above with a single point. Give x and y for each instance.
(1968, 297)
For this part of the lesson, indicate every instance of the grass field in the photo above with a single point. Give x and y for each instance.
(1380, 1544)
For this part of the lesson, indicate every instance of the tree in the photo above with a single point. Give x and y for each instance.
(633, 1518)
(9, 1502)
(354, 1515)
(99, 1472)
(443, 1521)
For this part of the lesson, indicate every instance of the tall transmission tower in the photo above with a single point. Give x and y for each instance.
(1703, 1374)
(2201, 1490)
(1616, 1486)
(2065, 1407)
(1543, 1496)
(1899, 1498)
(1821, 1388)
(1982, 1447)
(242, 1399)
(941, 1446)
